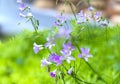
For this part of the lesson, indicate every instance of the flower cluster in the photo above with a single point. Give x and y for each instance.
(58, 60)
(24, 10)
(94, 16)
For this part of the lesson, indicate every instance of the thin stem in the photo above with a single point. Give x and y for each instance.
(95, 72)
(80, 79)
(71, 5)
(75, 70)
(33, 24)
(88, 63)
(78, 67)
(56, 81)
(63, 80)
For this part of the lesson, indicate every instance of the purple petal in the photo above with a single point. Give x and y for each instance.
(70, 71)
(45, 62)
(53, 74)
(90, 8)
(55, 58)
(37, 48)
(80, 55)
(22, 7)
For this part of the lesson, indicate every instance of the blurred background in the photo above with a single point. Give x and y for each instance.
(20, 65)
(45, 10)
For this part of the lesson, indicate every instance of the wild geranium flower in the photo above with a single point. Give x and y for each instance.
(81, 14)
(68, 46)
(45, 62)
(97, 15)
(53, 74)
(90, 8)
(22, 7)
(63, 33)
(50, 43)
(60, 19)
(55, 59)
(37, 48)
(66, 55)
(70, 71)
(85, 54)
(82, 18)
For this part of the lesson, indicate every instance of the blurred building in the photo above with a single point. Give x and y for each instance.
(110, 8)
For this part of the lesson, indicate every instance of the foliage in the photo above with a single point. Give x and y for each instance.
(19, 65)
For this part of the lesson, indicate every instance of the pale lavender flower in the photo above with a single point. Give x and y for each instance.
(50, 43)
(97, 15)
(63, 33)
(19, 1)
(55, 58)
(37, 48)
(82, 17)
(90, 8)
(81, 20)
(81, 14)
(22, 7)
(70, 71)
(45, 62)
(85, 54)
(66, 55)
(60, 19)
(68, 46)
(53, 74)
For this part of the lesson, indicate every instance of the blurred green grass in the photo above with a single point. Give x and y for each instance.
(19, 64)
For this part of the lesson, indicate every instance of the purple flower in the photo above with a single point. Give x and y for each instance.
(81, 20)
(60, 19)
(81, 14)
(50, 43)
(82, 17)
(70, 71)
(90, 8)
(37, 48)
(19, 1)
(53, 74)
(68, 46)
(55, 58)
(66, 55)
(97, 15)
(85, 54)
(22, 7)
(45, 62)
(63, 33)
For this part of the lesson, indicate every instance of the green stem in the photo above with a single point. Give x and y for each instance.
(75, 77)
(70, 3)
(33, 25)
(95, 72)
(88, 63)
